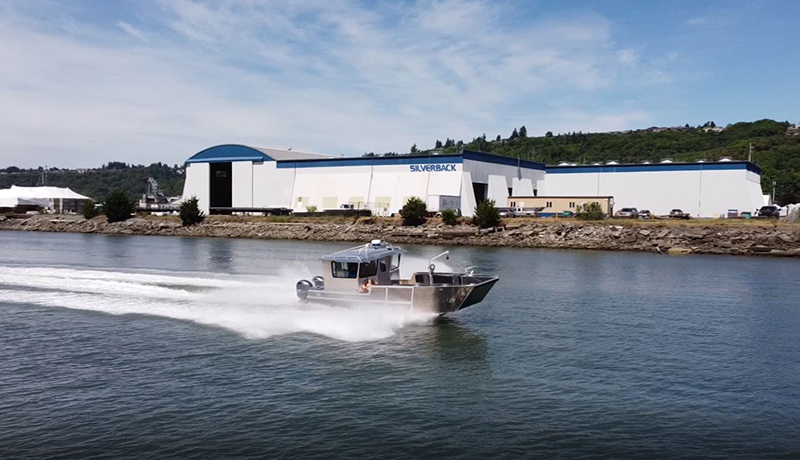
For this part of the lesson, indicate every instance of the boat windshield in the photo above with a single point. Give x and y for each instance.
(344, 269)
(351, 269)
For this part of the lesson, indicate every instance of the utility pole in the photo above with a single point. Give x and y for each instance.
(750, 153)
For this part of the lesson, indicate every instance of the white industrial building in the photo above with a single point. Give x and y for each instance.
(231, 178)
(237, 178)
(703, 189)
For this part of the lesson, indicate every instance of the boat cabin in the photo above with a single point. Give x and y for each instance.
(357, 268)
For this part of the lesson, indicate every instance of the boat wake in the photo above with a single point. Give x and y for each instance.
(255, 307)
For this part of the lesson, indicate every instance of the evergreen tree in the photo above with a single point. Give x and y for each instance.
(523, 132)
(438, 144)
(414, 148)
(514, 135)
(486, 215)
(117, 206)
(414, 212)
(548, 134)
(498, 138)
(190, 212)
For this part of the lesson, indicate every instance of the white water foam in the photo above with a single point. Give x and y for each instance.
(255, 307)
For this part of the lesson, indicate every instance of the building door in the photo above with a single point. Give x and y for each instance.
(221, 187)
(480, 191)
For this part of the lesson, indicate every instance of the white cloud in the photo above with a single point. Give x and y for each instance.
(332, 77)
(132, 31)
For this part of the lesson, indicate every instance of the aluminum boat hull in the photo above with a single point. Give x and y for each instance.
(437, 298)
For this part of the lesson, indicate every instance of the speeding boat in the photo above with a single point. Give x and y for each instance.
(371, 274)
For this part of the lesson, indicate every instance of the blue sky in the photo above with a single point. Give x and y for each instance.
(86, 82)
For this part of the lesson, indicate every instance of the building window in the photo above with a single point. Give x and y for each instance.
(513, 204)
(549, 204)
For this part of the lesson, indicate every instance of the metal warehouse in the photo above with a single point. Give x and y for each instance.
(700, 189)
(230, 178)
(237, 177)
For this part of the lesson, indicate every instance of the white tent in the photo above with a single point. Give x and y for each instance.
(46, 197)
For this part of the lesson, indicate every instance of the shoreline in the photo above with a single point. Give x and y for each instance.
(665, 237)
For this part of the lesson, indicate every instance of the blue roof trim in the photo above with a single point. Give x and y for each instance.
(371, 161)
(728, 165)
(502, 160)
(228, 153)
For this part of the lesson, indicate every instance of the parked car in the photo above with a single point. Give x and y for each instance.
(678, 214)
(507, 212)
(627, 213)
(645, 214)
(769, 212)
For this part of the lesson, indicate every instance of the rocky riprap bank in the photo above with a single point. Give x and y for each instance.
(667, 238)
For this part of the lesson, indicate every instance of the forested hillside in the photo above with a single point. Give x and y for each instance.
(97, 183)
(775, 150)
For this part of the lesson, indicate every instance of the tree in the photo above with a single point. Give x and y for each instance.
(514, 135)
(414, 212)
(88, 210)
(548, 134)
(486, 215)
(414, 148)
(498, 138)
(438, 144)
(590, 211)
(117, 206)
(523, 132)
(450, 217)
(190, 212)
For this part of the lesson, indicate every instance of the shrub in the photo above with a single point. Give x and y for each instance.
(117, 206)
(590, 211)
(190, 212)
(450, 217)
(486, 215)
(414, 212)
(88, 210)
(311, 208)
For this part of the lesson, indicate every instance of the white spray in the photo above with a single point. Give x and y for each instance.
(255, 307)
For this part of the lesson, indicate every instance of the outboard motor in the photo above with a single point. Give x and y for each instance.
(319, 282)
(302, 288)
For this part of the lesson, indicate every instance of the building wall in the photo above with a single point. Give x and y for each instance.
(500, 178)
(701, 193)
(197, 184)
(242, 184)
(272, 187)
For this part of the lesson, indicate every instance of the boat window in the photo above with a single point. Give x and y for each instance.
(369, 269)
(383, 266)
(344, 269)
(396, 261)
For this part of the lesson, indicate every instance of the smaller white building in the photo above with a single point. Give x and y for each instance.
(708, 189)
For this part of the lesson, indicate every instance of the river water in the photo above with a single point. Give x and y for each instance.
(165, 347)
